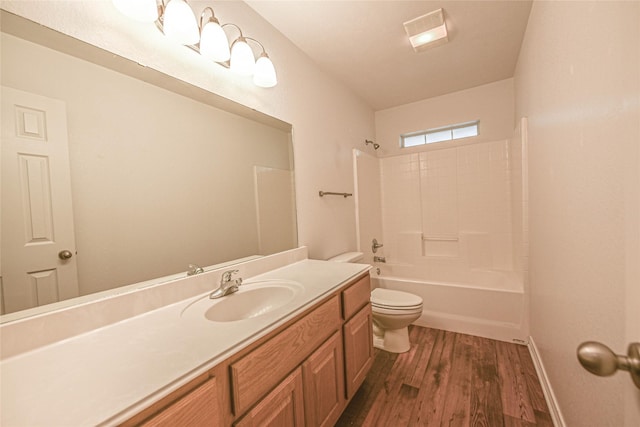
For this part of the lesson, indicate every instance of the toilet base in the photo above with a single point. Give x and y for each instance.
(392, 340)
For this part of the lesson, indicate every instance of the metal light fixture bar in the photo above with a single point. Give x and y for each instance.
(177, 21)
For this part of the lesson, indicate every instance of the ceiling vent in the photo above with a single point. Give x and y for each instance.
(427, 31)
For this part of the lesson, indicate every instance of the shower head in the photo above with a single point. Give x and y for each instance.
(375, 146)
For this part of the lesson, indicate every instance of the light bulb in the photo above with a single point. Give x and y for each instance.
(140, 10)
(214, 43)
(264, 73)
(242, 60)
(179, 23)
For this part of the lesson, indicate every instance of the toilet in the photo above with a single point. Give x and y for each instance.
(393, 312)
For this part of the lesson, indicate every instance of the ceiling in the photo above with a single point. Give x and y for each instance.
(363, 44)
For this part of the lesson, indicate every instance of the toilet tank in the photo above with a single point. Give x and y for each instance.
(348, 257)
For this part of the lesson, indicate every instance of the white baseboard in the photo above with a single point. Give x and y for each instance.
(552, 403)
(501, 331)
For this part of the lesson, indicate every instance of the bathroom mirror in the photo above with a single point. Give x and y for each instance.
(162, 174)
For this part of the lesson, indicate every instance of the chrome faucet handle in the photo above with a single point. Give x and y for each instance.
(375, 245)
(227, 276)
(227, 285)
(194, 269)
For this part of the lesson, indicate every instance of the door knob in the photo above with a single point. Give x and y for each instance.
(600, 360)
(65, 255)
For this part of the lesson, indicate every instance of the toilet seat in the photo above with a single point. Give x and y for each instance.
(391, 300)
(396, 311)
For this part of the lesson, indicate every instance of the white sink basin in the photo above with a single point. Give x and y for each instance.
(252, 300)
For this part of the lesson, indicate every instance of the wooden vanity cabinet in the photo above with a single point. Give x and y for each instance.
(358, 333)
(358, 349)
(260, 370)
(282, 407)
(196, 403)
(302, 374)
(323, 378)
(198, 408)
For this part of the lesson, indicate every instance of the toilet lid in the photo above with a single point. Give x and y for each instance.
(389, 298)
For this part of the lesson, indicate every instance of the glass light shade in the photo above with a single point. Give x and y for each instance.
(140, 10)
(214, 43)
(264, 74)
(242, 60)
(179, 23)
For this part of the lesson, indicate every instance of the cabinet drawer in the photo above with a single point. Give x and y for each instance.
(198, 408)
(356, 296)
(259, 371)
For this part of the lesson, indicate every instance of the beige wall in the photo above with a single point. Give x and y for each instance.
(159, 181)
(492, 104)
(328, 120)
(577, 81)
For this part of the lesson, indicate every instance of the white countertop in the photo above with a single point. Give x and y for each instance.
(107, 375)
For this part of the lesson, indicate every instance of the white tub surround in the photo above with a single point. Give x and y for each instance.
(106, 375)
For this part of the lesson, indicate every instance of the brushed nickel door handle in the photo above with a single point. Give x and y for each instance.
(600, 360)
(65, 255)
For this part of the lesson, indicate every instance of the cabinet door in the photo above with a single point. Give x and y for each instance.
(283, 407)
(323, 378)
(198, 408)
(259, 371)
(358, 349)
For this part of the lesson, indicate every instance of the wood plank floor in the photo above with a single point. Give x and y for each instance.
(450, 379)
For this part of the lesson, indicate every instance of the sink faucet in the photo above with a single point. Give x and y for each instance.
(194, 269)
(227, 285)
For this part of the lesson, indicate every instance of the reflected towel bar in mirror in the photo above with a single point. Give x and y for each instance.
(329, 193)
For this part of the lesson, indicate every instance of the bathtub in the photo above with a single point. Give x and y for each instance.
(490, 304)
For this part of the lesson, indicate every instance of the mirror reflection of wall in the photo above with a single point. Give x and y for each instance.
(159, 181)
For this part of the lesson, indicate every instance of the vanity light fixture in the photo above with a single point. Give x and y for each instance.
(242, 60)
(177, 21)
(265, 73)
(427, 31)
(214, 43)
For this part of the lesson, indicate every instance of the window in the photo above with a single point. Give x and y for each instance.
(447, 133)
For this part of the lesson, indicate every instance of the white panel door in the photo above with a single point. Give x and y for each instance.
(37, 216)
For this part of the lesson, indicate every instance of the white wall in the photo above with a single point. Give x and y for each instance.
(368, 203)
(492, 104)
(518, 178)
(328, 121)
(457, 189)
(577, 81)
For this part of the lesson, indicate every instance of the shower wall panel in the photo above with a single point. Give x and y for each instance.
(451, 205)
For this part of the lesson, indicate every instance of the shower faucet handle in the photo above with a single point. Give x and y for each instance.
(375, 245)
